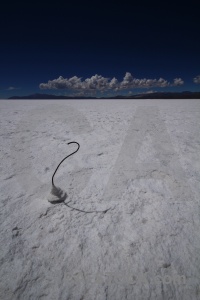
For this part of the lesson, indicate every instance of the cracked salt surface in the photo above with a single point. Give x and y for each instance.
(139, 157)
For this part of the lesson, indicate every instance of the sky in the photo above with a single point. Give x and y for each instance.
(100, 48)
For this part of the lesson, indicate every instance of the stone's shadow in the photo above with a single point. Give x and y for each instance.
(57, 195)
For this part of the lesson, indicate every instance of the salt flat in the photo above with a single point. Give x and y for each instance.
(140, 159)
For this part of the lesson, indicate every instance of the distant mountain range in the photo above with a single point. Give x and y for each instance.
(156, 95)
(47, 96)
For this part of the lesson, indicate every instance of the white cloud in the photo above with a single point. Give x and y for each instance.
(96, 82)
(130, 82)
(197, 79)
(59, 83)
(178, 82)
(150, 92)
(127, 81)
(102, 84)
(11, 88)
(114, 84)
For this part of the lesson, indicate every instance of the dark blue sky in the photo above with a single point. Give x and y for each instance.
(148, 40)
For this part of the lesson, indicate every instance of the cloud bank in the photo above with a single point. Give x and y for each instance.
(197, 79)
(102, 84)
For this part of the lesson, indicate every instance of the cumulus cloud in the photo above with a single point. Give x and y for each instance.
(102, 84)
(96, 82)
(197, 79)
(114, 84)
(178, 82)
(59, 83)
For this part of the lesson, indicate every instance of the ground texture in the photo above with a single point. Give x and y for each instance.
(141, 159)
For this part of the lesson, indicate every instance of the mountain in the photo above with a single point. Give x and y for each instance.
(156, 95)
(48, 96)
(162, 95)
